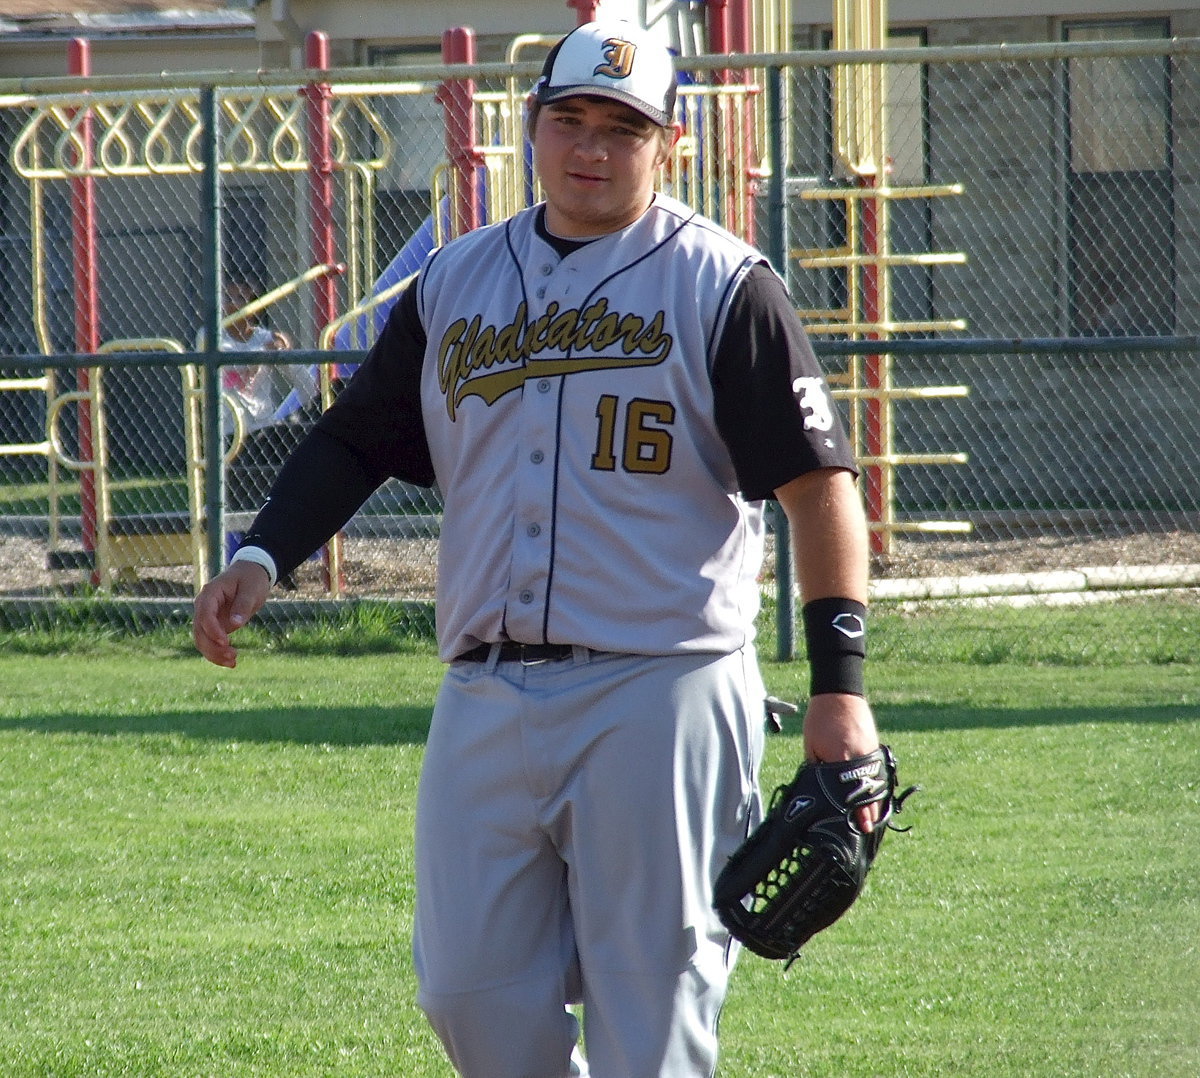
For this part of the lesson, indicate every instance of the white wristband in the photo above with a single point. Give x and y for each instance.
(258, 556)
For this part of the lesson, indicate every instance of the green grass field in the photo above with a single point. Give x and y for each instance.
(208, 872)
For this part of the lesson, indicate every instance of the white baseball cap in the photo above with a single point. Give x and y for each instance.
(614, 59)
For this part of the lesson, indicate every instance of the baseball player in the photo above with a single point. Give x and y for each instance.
(605, 388)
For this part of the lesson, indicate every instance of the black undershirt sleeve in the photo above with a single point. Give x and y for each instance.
(762, 350)
(378, 415)
(372, 431)
(320, 487)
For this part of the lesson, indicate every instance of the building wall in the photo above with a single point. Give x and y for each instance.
(47, 56)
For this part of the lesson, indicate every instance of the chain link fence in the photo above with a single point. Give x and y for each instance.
(1040, 225)
(996, 250)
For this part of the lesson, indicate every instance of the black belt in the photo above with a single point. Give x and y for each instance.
(512, 651)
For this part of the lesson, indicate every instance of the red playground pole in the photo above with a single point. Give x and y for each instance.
(741, 39)
(457, 97)
(320, 204)
(873, 372)
(718, 29)
(729, 31)
(86, 288)
(585, 10)
(739, 27)
(320, 179)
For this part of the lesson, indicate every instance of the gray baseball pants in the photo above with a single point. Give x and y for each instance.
(571, 819)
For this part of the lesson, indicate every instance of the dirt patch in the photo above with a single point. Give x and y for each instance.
(972, 557)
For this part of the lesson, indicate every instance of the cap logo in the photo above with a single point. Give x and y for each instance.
(619, 56)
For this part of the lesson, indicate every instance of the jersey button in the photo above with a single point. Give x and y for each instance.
(541, 292)
(537, 456)
(543, 385)
(526, 596)
(533, 531)
(547, 269)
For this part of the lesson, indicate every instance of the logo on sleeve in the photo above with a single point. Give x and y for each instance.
(815, 401)
(850, 626)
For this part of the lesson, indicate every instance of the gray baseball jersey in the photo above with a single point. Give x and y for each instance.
(612, 519)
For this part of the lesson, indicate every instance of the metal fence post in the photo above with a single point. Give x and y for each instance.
(86, 282)
(210, 287)
(785, 612)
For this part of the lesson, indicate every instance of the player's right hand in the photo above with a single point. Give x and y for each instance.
(224, 605)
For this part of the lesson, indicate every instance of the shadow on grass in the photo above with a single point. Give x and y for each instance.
(298, 726)
(410, 725)
(926, 718)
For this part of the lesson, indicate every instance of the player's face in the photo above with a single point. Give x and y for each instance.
(597, 161)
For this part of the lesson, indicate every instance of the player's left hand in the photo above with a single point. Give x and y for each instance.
(840, 726)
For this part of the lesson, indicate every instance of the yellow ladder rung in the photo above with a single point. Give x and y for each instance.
(896, 459)
(820, 252)
(842, 313)
(889, 327)
(960, 527)
(949, 258)
(41, 449)
(20, 384)
(833, 194)
(910, 393)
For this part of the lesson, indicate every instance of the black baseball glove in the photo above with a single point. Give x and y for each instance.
(806, 863)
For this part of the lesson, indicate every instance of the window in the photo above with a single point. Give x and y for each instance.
(1118, 112)
(906, 113)
(1120, 200)
(244, 236)
(414, 119)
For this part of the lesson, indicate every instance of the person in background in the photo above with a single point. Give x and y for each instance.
(268, 406)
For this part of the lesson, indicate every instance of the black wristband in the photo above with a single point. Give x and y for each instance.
(835, 631)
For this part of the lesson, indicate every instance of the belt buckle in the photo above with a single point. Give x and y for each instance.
(530, 662)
